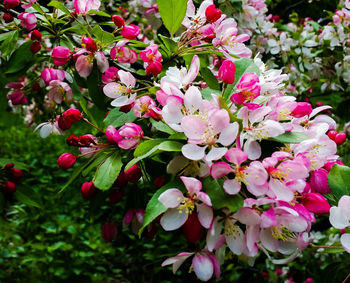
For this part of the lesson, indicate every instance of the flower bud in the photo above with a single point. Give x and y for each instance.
(28, 20)
(112, 135)
(88, 190)
(154, 68)
(17, 98)
(9, 166)
(16, 175)
(36, 87)
(35, 47)
(10, 4)
(131, 134)
(63, 124)
(66, 160)
(89, 44)
(109, 231)
(87, 140)
(159, 181)
(302, 109)
(60, 55)
(319, 182)
(193, 229)
(49, 74)
(35, 35)
(118, 21)
(116, 196)
(328, 165)
(133, 174)
(340, 138)
(121, 181)
(8, 18)
(332, 134)
(110, 75)
(72, 115)
(315, 203)
(212, 14)
(73, 140)
(9, 187)
(130, 31)
(227, 72)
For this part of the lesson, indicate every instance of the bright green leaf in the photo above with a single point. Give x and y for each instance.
(161, 126)
(339, 180)
(118, 118)
(60, 6)
(172, 13)
(103, 36)
(290, 137)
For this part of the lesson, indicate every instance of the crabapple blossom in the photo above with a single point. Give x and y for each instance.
(130, 31)
(59, 91)
(123, 54)
(60, 55)
(84, 6)
(227, 72)
(130, 135)
(28, 20)
(248, 88)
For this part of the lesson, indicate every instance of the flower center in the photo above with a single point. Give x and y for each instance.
(187, 204)
(282, 233)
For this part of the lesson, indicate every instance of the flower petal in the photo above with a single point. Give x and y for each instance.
(345, 241)
(203, 267)
(192, 185)
(173, 219)
(171, 198)
(215, 153)
(193, 151)
(205, 215)
(232, 187)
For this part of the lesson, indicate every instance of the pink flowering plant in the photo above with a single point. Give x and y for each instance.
(187, 116)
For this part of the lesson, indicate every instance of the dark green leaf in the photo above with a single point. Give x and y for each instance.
(21, 59)
(26, 198)
(95, 91)
(290, 137)
(339, 180)
(60, 6)
(209, 78)
(161, 126)
(9, 43)
(172, 13)
(118, 118)
(98, 158)
(170, 44)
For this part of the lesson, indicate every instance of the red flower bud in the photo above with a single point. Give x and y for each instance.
(116, 196)
(63, 124)
(130, 31)
(72, 115)
(112, 135)
(10, 4)
(73, 140)
(8, 18)
(316, 203)
(340, 138)
(212, 14)
(88, 190)
(227, 72)
(118, 21)
(36, 87)
(9, 187)
(121, 181)
(66, 160)
(159, 181)
(332, 134)
(193, 230)
(35, 47)
(133, 174)
(86, 140)
(16, 174)
(35, 35)
(89, 44)
(125, 108)
(318, 181)
(9, 166)
(109, 231)
(302, 109)
(154, 68)
(60, 55)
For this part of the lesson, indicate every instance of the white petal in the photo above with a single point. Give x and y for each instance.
(171, 198)
(253, 149)
(193, 152)
(46, 130)
(203, 267)
(229, 134)
(345, 241)
(216, 153)
(232, 187)
(236, 241)
(205, 215)
(173, 219)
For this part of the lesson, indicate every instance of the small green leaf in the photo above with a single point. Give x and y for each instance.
(60, 6)
(98, 13)
(108, 172)
(118, 118)
(9, 44)
(161, 126)
(26, 198)
(209, 78)
(218, 196)
(144, 147)
(291, 137)
(103, 36)
(339, 180)
(172, 13)
(155, 207)
(170, 44)
(170, 146)
(21, 59)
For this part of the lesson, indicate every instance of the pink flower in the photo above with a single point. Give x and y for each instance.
(316, 203)
(154, 68)
(319, 182)
(130, 31)
(112, 135)
(121, 92)
(131, 135)
(59, 91)
(110, 75)
(248, 88)
(60, 55)
(84, 65)
(151, 54)
(135, 217)
(339, 217)
(123, 54)
(84, 6)
(142, 106)
(28, 20)
(179, 207)
(49, 74)
(17, 98)
(227, 72)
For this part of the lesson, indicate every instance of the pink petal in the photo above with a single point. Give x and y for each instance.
(171, 198)
(345, 241)
(215, 153)
(229, 134)
(193, 99)
(220, 169)
(205, 215)
(253, 149)
(192, 184)
(127, 78)
(280, 190)
(213, 234)
(268, 241)
(172, 219)
(193, 127)
(112, 90)
(176, 261)
(192, 72)
(247, 216)
(216, 265)
(236, 156)
(193, 151)
(203, 267)
(232, 187)
(268, 218)
(219, 120)
(84, 65)
(204, 198)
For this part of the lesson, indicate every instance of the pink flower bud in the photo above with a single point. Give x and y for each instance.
(8, 18)
(17, 98)
(309, 280)
(302, 109)
(89, 44)
(131, 134)
(133, 174)
(319, 182)
(340, 138)
(227, 72)
(28, 20)
(88, 190)
(118, 21)
(332, 134)
(10, 4)
(109, 231)
(49, 74)
(35, 35)
(212, 14)
(130, 31)
(35, 47)
(66, 160)
(63, 124)
(110, 75)
(159, 181)
(154, 68)
(60, 55)
(193, 230)
(9, 166)
(112, 135)
(72, 115)
(16, 175)
(328, 165)
(9, 187)
(315, 203)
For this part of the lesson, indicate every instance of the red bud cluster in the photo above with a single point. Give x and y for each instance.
(13, 176)
(82, 141)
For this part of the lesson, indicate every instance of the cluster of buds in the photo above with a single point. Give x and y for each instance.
(11, 176)
(35, 36)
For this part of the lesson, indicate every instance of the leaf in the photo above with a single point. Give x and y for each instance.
(9, 43)
(144, 147)
(94, 113)
(155, 207)
(108, 172)
(209, 78)
(98, 158)
(103, 36)
(170, 146)
(118, 118)
(169, 44)
(98, 13)
(18, 164)
(21, 59)
(339, 180)
(172, 13)
(26, 199)
(178, 136)
(291, 137)
(207, 93)
(161, 126)
(60, 6)
(218, 196)
(95, 91)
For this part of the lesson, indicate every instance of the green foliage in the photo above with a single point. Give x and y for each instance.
(339, 180)
(291, 137)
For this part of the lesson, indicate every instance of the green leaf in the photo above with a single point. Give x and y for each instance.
(60, 6)
(161, 126)
(98, 13)
(26, 198)
(207, 92)
(95, 91)
(155, 207)
(339, 180)
(108, 172)
(103, 36)
(144, 147)
(172, 13)
(209, 78)
(94, 113)
(9, 43)
(290, 137)
(139, 158)
(170, 146)
(118, 118)
(218, 196)
(18, 164)
(21, 59)
(170, 44)
(98, 158)
(178, 136)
